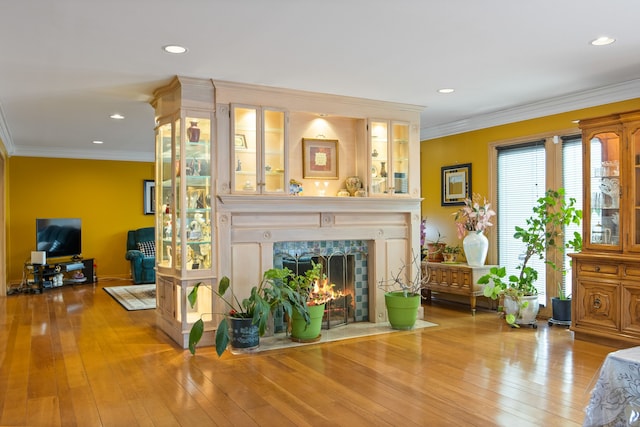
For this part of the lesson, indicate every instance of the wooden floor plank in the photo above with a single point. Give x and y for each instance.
(73, 356)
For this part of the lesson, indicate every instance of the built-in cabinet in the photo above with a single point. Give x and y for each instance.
(185, 226)
(389, 149)
(606, 287)
(226, 153)
(260, 153)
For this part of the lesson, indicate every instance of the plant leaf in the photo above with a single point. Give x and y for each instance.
(193, 295)
(222, 337)
(195, 335)
(223, 285)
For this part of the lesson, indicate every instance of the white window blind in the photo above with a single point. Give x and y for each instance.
(572, 183)
(521, 181)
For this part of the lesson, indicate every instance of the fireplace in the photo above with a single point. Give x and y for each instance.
(378, 234)
(345, 267)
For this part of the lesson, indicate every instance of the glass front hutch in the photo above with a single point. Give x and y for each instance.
(185, 219)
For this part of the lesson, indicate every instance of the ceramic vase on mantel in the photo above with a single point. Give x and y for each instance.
(353, 184)
(476, 246)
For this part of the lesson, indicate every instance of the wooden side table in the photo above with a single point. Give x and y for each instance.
(454, 278)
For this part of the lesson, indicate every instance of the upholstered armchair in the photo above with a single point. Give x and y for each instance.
(141, 251)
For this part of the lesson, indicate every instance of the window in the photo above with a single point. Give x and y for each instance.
(524, 173)
(521, 181)
(572, 183)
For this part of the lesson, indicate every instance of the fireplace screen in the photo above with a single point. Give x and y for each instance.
(340, 272)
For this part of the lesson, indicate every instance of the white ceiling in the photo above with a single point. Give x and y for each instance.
(66, 65)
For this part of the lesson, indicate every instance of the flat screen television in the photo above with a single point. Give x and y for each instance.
(59, 237)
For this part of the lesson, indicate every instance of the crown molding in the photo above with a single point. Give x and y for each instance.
(5, 135)
(130, 156)
(575, 101)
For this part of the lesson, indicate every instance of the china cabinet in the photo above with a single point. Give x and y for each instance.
(185, 240)
(606, 291)
(389, 148)
(259, 150)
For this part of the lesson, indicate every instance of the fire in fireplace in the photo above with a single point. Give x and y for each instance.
(340, 275)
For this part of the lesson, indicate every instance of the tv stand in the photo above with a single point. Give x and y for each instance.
(52, 275)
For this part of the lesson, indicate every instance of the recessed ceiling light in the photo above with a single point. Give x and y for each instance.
(98, 142)
(602, 41)
(172, 48)
(446, 90)
(117, 116)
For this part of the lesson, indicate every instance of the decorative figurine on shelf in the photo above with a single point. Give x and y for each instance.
(375, 153)
(193, 133)
(196, 227)
(205, 251)
(383, 170)
(295, 187)
(239, 166)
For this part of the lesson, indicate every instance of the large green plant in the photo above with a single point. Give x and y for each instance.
(543, 232)
(272, 291)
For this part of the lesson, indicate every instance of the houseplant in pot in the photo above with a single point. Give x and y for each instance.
(431, 249)
(248, 316)
(403, 293)
(561, 308)
(450, 253)
(310, 291)
(542, 237)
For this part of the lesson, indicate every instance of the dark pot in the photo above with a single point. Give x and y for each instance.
(244, 334)
(561, 309)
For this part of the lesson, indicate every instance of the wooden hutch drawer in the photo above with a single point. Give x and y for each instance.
(631, 271)
(597, 269)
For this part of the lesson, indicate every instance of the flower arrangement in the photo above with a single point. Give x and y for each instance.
(473, 216)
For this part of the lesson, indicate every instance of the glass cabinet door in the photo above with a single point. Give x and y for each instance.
(259, 153)
(245, 153)
(635, 189)
(400, 156)
(164, 195)
(379, 137)
(197, 176)
(604, 202)
(389, 157)
(274, 151)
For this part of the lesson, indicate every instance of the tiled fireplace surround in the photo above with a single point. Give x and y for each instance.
(383, 231)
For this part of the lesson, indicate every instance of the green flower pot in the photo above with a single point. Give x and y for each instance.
(302, 332)
(402, 311)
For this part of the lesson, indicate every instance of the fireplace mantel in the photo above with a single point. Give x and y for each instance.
(250, 225)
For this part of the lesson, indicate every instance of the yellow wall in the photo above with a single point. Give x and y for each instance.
(106, 195)
(472, 147)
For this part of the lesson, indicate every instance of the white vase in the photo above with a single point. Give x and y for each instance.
(476, 246)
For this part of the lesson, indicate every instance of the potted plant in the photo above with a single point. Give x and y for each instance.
(542, 233)
(310, 291)
(561, 308)
(431, 250)
(450, 253)
(403, 293)
(250, 315)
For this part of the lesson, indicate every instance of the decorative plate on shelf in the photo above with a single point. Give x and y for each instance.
(374, 171)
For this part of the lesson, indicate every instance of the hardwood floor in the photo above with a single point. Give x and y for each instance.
(74, 357)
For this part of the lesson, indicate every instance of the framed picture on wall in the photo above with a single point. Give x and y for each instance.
(456, 184)
(320, 158)
(149, 197)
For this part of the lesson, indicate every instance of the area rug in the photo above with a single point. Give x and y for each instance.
(135, 297)
(352, 330)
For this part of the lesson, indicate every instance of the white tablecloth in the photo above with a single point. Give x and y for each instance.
(615, 399)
